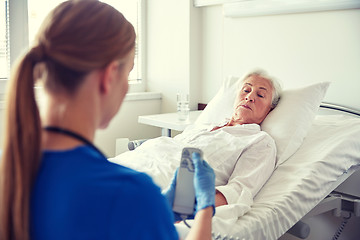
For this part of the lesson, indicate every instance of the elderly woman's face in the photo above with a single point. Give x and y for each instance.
(253, 102)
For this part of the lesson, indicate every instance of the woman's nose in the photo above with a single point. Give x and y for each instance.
(250, 97)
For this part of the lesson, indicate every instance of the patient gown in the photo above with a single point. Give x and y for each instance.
(243, 158)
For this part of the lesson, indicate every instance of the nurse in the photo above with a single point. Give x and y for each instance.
(55, 184)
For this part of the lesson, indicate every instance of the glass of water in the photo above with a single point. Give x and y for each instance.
(183, 109)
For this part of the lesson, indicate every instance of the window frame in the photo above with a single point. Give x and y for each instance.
(18, 33)
(140, 86)
(19, 40)
(5, 44)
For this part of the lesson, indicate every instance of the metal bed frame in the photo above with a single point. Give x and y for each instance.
(342, 198)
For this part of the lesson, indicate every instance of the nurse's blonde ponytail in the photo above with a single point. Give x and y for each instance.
(21, 150)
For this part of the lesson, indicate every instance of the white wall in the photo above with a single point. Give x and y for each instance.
(298, 49)
(212, 51)
(125, 124)
(172, 32)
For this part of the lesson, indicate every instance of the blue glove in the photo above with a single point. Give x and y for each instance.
(169, 194)
(204, 183)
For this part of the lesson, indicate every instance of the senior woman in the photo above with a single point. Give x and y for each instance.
(258, 95)
(242, 170)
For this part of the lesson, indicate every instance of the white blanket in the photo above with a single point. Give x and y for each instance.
(243, 158)
(331, 148)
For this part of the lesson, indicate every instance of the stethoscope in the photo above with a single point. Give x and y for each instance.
(73, 135)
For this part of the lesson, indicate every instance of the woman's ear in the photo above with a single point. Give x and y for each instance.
(108, 76)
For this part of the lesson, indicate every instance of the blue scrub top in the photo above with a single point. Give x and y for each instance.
(79, 194)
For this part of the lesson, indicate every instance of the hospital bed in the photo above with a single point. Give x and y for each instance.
(318, 166)
(320, 177)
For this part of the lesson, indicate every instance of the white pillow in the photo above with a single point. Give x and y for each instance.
(287, 124)
(221, 105)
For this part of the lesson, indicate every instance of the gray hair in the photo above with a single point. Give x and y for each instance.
(273, 81)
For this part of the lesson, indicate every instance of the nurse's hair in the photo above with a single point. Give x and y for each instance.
(276, 91)
(77, 37)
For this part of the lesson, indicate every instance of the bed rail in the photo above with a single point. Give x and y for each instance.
(340, 108)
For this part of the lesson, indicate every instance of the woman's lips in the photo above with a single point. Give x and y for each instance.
(246, 106)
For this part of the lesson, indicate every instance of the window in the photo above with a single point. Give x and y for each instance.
(26, 28)
(4, 40)
(132, 10)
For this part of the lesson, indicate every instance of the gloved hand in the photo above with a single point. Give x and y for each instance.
(169, 194)
(204, 183)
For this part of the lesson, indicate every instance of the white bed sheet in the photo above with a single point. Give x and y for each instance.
(331, 148)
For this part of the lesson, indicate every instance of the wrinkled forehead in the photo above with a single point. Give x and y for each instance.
(256, 81)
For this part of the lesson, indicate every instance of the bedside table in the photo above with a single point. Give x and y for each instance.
(168, 121)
